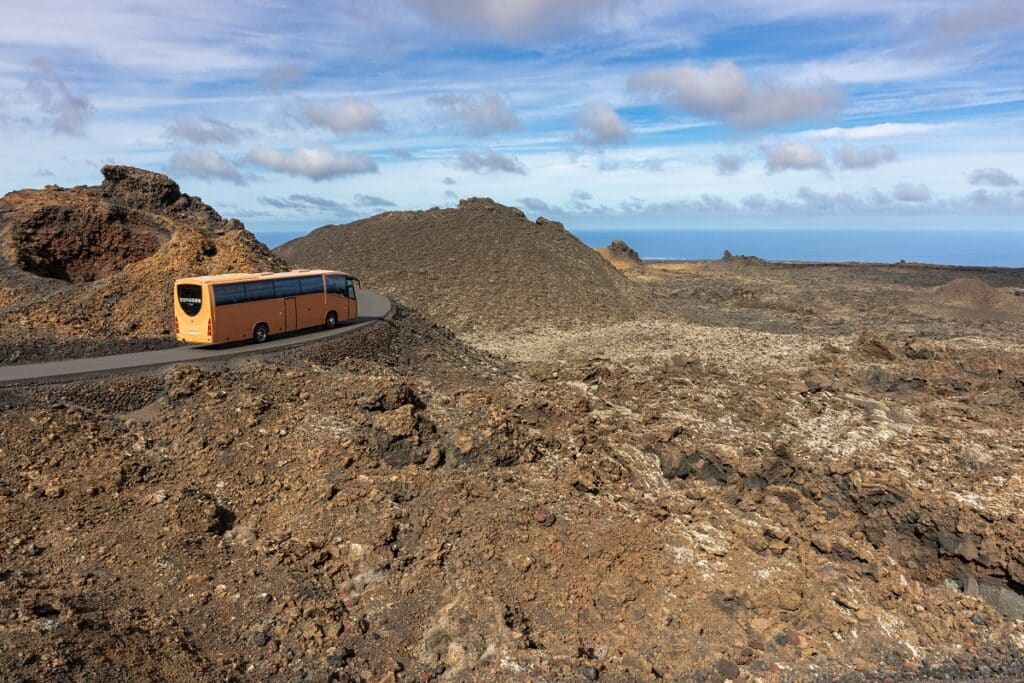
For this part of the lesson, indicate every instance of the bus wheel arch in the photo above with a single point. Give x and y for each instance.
(260, 333)
(331, 321)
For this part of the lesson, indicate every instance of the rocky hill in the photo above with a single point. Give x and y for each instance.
(479, 266)
(98, 262)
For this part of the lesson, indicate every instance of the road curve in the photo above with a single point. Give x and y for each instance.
(372, 308)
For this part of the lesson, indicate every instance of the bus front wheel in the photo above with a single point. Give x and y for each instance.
(260, 334)
(331, 321)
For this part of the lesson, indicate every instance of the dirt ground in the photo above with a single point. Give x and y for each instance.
(777, 473)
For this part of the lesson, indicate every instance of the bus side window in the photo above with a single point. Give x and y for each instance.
(228, 294)
(312, 284)
(350, 288)
(287, 287)
(260, 289)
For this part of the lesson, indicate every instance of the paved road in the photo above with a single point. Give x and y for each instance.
(372, 308)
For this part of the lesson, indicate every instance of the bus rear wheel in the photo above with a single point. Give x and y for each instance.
(331, 321)
(260, 333)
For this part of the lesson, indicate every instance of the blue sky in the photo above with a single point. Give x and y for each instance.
(601, 113)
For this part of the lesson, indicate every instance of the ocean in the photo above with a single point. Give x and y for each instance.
(1004, 248)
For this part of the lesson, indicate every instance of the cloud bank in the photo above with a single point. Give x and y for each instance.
(477, 115)
(320, 163)
(205, 130)
(723, 91)
(600, 124)
(490, 162)
(793, 156)
(205, 164)
(65, 111)
(348, 115)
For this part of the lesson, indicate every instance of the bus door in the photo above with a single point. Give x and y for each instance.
(291, 314)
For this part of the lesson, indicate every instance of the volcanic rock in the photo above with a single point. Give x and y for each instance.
(99, 262)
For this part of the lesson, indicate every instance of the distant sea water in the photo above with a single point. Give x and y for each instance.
(949, 247)
(1003, 248)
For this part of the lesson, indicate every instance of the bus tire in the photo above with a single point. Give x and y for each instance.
(331, 321)
(260, 333)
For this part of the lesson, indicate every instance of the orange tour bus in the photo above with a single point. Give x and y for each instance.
(213, 309)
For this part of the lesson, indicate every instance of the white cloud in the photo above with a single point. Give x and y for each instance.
(601, 124)
(723, 91)
(348, 115)
(320, 163)
(66, 111)
(912, 193)
(977, 17)
(857, 158)
(793, 156)
(878, 130)
(277, 77)
(728, 164)
(370, 200)
(516, 21)
(490, 162)
(994, 177)
(534, 204)
(989, 199)
(307, 204)
(204, 130)
(204, 163)
(825, 201)
(705, 203)
(478, 115)
(653, 165)
(755, 202)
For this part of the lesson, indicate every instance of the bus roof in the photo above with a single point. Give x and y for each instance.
(245, 277)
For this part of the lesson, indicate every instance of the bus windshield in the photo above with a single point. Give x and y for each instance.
(190, 298)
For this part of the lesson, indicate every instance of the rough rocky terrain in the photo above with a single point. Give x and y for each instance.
(728, 470)
(89, 269)
(479, 266)
(773, 472)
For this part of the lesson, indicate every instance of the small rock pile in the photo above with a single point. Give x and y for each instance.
(621, 255)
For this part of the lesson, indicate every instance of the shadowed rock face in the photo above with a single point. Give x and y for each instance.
(83, 241)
